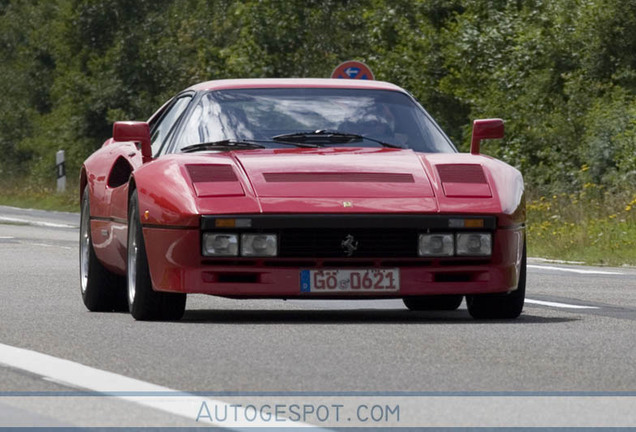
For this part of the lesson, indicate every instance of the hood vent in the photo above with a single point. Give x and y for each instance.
(211, 173)
(354, 177)
(464, 181)
(215, 181)
(468, 173)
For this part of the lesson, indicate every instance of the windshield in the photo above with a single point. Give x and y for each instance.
(261, 115)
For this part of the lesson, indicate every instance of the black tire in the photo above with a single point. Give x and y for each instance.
(500, 306)
(433, 302)
(144, 303)
(102, 291)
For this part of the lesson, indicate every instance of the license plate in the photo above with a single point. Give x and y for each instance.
(350, 280)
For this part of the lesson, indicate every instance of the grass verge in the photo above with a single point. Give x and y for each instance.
(27, 195)
(594, 226)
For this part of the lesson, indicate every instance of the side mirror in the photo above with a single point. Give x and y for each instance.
(485, 129)
(137, 132)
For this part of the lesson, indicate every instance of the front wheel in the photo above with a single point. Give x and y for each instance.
(144, 303)
(433, 302)
(500, 306)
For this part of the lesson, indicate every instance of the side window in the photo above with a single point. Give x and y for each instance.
(162, 130)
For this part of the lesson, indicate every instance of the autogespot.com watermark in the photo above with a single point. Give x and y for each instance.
(309, 413)
(325, 411)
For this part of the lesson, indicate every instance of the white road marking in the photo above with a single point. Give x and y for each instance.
(6, 237)
(85, 377)
(51, 245)
(572, 270)
(559, 305)
(555, 261)
(36, 223)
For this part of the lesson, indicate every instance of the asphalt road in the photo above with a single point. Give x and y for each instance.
(577, 335)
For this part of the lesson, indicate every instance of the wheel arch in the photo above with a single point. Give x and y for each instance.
(83, 181)
(132, 188)
(165, 193)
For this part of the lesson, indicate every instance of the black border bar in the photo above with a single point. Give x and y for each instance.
(282, 221)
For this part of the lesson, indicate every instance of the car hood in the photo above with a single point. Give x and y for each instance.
(327, 180)
(336, 173)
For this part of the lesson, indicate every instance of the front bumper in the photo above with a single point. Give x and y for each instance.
(176, 265)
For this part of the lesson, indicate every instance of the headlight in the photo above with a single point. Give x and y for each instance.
(474, 244)
(220, 244)
(435, 245)
(259, 245)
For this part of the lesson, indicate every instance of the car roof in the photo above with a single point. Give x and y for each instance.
(294, 82)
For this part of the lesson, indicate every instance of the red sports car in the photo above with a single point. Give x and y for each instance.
(299, 188)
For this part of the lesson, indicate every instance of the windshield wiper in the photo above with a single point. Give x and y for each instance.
(221, 145)
(294, 143)
(322, 137)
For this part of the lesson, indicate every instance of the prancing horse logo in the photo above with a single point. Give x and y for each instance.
(349, 245)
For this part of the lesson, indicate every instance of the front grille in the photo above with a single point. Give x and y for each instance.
(354, 243)
(343, 238)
